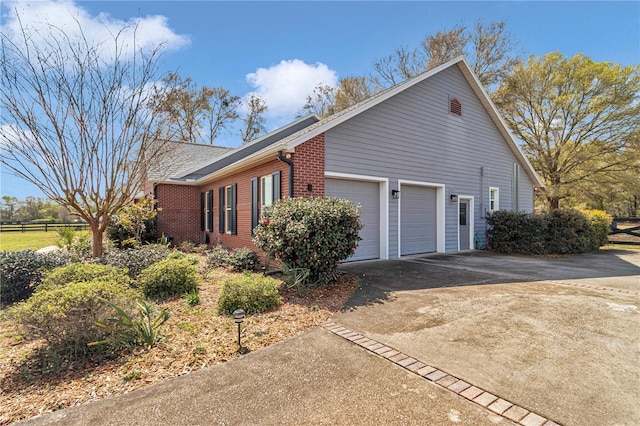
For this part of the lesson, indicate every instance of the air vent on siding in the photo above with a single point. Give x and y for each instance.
(455, 107)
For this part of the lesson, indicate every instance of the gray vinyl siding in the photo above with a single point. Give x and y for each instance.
(412, 136)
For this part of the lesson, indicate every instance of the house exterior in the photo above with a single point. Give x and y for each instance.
(426, 160)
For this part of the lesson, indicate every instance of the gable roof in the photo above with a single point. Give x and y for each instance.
(309, 127)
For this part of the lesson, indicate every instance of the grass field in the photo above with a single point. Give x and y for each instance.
(13, 241)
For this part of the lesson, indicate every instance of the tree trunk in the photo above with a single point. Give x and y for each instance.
(554, 203)
(96, 247)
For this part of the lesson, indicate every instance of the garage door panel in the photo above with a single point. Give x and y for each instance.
(367, 194)
(417, 220)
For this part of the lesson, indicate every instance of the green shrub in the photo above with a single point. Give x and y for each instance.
(135, 260)
(134, 225)
(21, 272)
(243, 259)
(77, 272)
(239, 259)
(66, 316)
(555, 232)
(569, 232)
(251, 292)
(310, 233)
(516, 232)
(167, 278)
(218, 257)
(601, 224)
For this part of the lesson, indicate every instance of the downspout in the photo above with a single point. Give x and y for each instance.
(290, 163)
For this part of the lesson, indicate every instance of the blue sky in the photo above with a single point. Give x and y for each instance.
(280, 49)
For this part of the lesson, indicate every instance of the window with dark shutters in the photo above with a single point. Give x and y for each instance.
(202, 211)
(210, 210)
(221, 210)
(276, 185)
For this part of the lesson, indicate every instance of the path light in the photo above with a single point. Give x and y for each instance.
(238, 316)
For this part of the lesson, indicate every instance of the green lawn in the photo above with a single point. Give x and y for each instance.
(13, 241)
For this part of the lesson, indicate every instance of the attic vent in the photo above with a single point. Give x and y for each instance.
(455, 107)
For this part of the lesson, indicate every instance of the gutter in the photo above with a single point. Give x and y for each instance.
(290, 163)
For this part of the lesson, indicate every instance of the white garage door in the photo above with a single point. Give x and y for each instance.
(417, 220)
(368, 195)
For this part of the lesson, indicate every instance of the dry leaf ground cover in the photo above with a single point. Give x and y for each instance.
(196, 337)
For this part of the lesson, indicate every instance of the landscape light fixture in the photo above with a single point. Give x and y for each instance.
(238, 316)
(395, 194)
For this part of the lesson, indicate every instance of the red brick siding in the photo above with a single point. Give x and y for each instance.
(179, 215)
(308, 161)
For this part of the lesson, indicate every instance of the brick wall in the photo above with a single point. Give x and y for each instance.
(180, 215)
(308, 161)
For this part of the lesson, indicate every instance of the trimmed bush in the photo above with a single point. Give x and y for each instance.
(310, 233)
(251, 292)
(601, 225)
(78, 272)
(66, 316)
(239, 259)
(135, 260)
(167, 278)
(555, 232)
(21, 272)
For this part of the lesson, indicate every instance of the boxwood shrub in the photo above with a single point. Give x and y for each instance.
(65, 316)
(78, 272)
(169, 277)
(135, 260)
(251, 292)
(310, 233)
(238, 259)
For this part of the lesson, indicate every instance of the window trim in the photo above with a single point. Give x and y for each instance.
(495, 200)
(228, 211)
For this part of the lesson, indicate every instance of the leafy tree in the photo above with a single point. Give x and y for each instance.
(488, 47)
(254, 119)
(76, 119)
(575, 117)
(193, 113)
(351, 91)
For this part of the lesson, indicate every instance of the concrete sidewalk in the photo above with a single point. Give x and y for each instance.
(314, 378)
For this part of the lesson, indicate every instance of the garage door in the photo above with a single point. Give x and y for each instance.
(368, 195)
(417, 220)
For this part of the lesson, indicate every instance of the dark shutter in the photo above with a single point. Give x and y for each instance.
(234, 190)
(275, 178)
(255, 203)
(210, 211)
(221, 211)
(202, 211)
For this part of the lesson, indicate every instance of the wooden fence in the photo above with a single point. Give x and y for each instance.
(46, 227)
(628, 234)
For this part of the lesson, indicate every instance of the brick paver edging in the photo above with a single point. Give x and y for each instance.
(475, 394)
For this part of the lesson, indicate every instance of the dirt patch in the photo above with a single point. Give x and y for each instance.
(34, 382)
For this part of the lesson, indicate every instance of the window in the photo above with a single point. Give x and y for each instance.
(266, 186)
(494, 199)
(227, 209)
(228, 198)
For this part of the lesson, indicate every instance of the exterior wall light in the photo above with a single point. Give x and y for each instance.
(395, 194)
(238, 316)
(453, 198)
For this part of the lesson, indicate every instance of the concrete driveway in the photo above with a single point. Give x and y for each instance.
(559, 337)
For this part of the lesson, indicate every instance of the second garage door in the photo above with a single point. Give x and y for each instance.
(367, 194)
(417, 220)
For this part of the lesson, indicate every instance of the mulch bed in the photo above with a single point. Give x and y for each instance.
(33, 381)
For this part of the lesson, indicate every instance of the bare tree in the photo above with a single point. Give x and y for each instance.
(75, 120)
(489, 48)
(191, 112)
(320, 102)
(254, 120)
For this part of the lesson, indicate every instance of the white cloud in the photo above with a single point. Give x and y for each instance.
(38, 19)
(285, 86)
